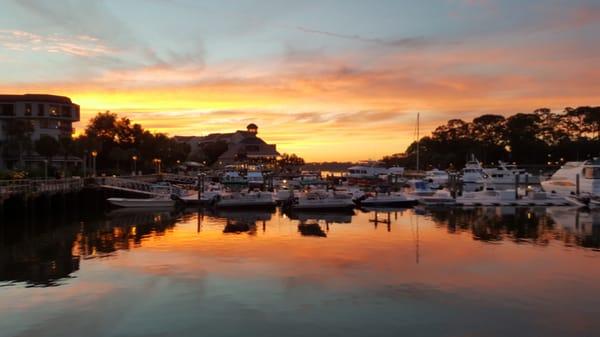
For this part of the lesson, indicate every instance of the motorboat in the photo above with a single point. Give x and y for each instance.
(594, 203)
(493, 197)
(564, 181)
(365, 174)
(245, 199)
(438, 198)
(437, 177)
(255, 179)
(418, 188)
(473, 172)
(387, 199)
(207, 197)
(233, 178)
(320, 199)
(505, 173)
(308, 178)
(157, 202)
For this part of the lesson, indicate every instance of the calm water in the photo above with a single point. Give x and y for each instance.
(480, 272)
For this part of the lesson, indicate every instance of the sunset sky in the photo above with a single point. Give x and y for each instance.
(328, 80)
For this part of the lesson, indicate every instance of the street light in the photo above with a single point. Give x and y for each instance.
(94, 155)
(134, 158)
(157, 162)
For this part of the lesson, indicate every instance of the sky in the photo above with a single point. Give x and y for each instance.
(328, 80)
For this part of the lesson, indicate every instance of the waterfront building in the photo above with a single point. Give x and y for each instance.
(241, 146)
(45, 115)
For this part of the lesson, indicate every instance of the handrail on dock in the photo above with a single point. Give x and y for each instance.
(29, 186)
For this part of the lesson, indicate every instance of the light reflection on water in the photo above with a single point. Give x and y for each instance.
(482, 271)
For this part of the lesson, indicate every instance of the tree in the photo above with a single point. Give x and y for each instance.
(18, 138)
(47, 147)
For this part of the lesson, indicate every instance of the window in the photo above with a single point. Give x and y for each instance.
(65, 111)
(27, 109)
(53, 111)
(7, 109)
(40, 110)
(591, 172)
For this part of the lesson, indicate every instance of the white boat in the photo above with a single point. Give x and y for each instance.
(594, 203)
(207, 197)
(316, 200)
(233, 178)
(365, 174)
(439, 198)
(505, 173)
(158, 202)
(473, 172)
(437, 177)
(308, 178)
(418, 188)
(255, 179)
(245, 199)
(492, 197)
(387, 199)
(564, 181)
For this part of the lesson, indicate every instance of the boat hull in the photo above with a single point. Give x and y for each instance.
(141, 203)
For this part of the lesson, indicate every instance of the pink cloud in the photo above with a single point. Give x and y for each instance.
(80, 45)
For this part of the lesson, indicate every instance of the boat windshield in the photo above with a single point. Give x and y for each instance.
(591, 172)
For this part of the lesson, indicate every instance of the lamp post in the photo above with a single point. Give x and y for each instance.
(94, 155)
(85, 158)
(157, 163)
(134, 158)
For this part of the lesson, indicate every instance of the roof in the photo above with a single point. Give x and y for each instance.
(36, 98)
(251, 126)
(252, 140)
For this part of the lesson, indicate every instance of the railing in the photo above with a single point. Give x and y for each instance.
(26, 186)
(126, 183)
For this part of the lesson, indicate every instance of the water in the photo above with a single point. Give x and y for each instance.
(479, 272)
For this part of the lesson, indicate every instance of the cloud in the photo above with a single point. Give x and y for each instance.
(408, 42)
(79, 45)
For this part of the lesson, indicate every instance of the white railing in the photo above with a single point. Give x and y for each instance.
(25, 186)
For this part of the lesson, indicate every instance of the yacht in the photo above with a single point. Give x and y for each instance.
(437, 177)
(233, 178)
(505, 173)
(564, 181)
(156, 202)
(473, 173)
(418, 188)
(438, 198)
(255, 179)
(245, 199)
(207, 197)
(365, 174)
(387, 199)
(320, 200)
(492, 197)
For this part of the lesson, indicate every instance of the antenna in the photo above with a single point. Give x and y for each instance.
(418, 120)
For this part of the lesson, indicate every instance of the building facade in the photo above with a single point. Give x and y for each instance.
(46, 114)
(243, 146)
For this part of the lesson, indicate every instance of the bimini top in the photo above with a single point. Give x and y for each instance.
(36, 98)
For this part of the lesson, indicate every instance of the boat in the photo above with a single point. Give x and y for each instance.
(320, 199)
(473, 172)
(594, 203)
(505, 173)
(157, 202)
(255, 179)
(438, 198)
(564, 181)
(245, 199)
(493, 197)
(418, 188)
(437, 177)
(207, 197)
(387, 199)
(365, 174)
(232, 177)
(308, 178)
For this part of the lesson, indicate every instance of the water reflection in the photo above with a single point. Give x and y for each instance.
(38, 253)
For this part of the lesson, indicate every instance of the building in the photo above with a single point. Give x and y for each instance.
(242, 146)
(47, 114)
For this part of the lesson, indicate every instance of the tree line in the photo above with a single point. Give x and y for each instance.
(536, 138)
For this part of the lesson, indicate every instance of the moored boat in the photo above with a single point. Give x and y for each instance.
(564, 181)
(245, 199)
(387, 199)
(317, 200)
(157, 202)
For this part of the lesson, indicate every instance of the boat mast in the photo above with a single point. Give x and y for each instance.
(418, 141)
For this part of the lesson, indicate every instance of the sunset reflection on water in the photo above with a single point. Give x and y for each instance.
(421, 271)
